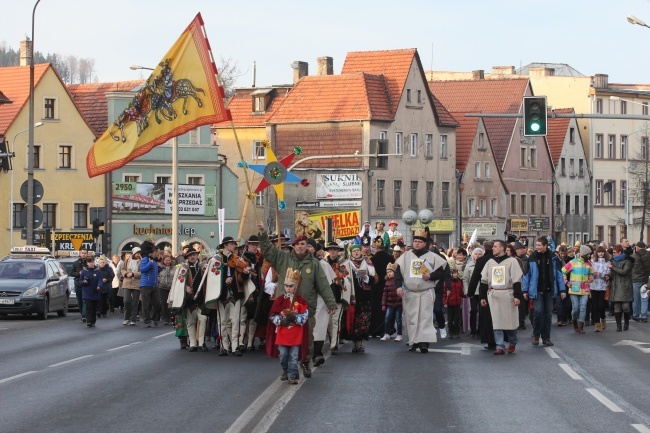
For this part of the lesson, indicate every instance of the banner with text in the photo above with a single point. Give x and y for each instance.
(347, 224)
(338, 186)
(132, 197)
(73, 241)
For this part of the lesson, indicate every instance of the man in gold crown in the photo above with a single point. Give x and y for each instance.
(416, 276)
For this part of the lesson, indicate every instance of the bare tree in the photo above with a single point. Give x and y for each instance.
(86, 66)
(72, 62)
(639, 174)
(229, 72)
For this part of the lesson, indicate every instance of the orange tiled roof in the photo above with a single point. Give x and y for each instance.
(4, 99)
(480, 96)
(330, 98)
(464, 139)
(15, 85)
(499, 132)
(445, 118)
(556, 133)
(241, 107)
(91, 101)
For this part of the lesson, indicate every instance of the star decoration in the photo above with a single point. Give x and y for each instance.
(275, 173)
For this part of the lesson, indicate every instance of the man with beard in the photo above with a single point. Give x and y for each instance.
(341, 287)
(415, 277)
(484, 315)
(380, 260)
(501, 286)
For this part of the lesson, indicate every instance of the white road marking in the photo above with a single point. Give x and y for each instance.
(163, 335)
(16, 376)
(551, 353)
(269, 418)
(568, 370)
(641, 428)
(70, 360)
(604, 400)
(450, 351)
(122, 347)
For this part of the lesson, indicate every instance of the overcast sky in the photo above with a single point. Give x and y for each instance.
(593, 36)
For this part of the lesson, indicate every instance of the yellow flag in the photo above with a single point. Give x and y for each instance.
(181, 94)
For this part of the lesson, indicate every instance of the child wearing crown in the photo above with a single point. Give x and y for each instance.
(288, 314)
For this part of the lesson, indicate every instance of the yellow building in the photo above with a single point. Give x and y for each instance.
(61, 144)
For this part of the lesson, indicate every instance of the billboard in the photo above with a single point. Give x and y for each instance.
(313, 223)
(338, 186)
(134, 198)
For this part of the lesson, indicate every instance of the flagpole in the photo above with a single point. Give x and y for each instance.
(277, 220)
(175, 195)
(243, 217)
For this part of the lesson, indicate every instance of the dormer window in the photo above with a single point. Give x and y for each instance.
(259, 104)
(261, 100)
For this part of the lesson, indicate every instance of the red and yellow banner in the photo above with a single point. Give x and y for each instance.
(181, 94)
(346, 224)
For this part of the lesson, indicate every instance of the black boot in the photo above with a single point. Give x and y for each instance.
(626, 321)
(319, 359)
(306, 370)
(618, 317)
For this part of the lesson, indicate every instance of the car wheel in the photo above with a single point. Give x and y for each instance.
(64, 311)
(42, 315)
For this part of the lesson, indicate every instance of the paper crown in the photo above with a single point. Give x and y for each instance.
(185, 244)
(150, 237)
(377, 242)
(293, 277)
(421, 234)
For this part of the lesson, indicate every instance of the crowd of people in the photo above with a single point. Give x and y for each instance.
(294, 297)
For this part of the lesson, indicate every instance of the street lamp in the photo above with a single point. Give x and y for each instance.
(11, 207)
(635, 21)
(136, 67)
(30, 146)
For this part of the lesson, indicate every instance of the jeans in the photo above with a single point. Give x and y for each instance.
(640, 305)
(131, 298)
(393, 314)
(150, 303)
(289, 360)
(498, 337)
(579, 305)
(80, 301)
(543, 315)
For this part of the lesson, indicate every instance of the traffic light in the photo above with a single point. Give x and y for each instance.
(106, 243)
(97, 231)
(5, 158)
(535, 116)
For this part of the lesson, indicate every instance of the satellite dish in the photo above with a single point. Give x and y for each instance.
(409, 217)
(425, 216)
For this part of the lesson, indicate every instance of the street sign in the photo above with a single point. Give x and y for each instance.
(38, 191)
(38, 217)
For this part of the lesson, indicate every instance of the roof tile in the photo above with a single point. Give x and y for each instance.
(15, 85)
(556, 133)
(465, 134)
(480, 96)
(241, 107)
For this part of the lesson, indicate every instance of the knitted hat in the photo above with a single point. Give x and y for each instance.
(355, 247)
(585, 250)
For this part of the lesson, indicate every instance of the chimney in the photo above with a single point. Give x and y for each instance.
(300, 69)
(25, 52)
(541, 71)
(601, 81)
(503, 70)
(325, 66)
(479, 74)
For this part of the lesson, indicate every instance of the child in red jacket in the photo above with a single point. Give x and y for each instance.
(391, 303)
(454, 300)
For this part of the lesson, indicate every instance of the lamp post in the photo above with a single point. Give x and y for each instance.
(11, 207)
(635, 21)
(30, 146)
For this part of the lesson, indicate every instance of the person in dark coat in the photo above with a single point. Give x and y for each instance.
(380, 260)
(90, 279)
(484, 315)
(75, 273)
(106, 282)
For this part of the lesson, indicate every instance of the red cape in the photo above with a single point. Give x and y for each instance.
(271, 347)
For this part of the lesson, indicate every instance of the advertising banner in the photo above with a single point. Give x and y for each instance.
(131, 197)
(338, 186)
(484, 230)
(347, 224)
(73, 241)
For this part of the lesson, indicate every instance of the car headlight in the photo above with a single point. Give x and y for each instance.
(32, 291)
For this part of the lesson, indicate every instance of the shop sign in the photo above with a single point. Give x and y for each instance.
(519, 225)
(539, 224)
(162, 230)
(435, 226)
(483, 230)
(313, 223)
(73, 241)
(338, 186)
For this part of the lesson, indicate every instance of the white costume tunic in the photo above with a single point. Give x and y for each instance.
(322, 317)
(419, 295)
(500, 278)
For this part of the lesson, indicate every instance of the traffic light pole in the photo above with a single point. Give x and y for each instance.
(562, 116)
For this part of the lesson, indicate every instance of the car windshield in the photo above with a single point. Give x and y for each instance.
(22, 271)
(67, 266)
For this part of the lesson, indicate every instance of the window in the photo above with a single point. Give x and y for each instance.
(429, 195)
(599, 145)
(445, 195)
(572, 167)
(470, 207)
(194, 180)
(523, 207)
(194, 136)
(428, 145)
(562, 167)
(581, 167)
(644, 148)
(380, 147)
(585, 205)
(623, 146)
(163, 179)
(533, 157)
(542, 205)
(644, 109)
(419, 96)
(259, 105)
(513, 204)
(569, 238)
(49, 215)
(131, 178)
(523, 153)
(558, 204)
(398, 143)
(380, 192)
(576, 205)
(18, 208)
(259, 199)
(443, 146)
(477, 170)
(397, 186)
(611, 234)
(80, 215)
(408, 95)
(599, 106)
(37, 156)
(259, 151)
(65, 156)
(49, 108)
(383, 135)
(611, 193)
(414, 145)
(533, 204)
(572, 135)
(481, 141)
(493, 207)
(623, 107)
(623, 192)
(487, 170)
(414, 193)
(600, 233)
(611, 146)
(482, 205)
(567, 204)
(599, 192)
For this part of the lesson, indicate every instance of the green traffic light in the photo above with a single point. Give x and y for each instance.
(534, 126)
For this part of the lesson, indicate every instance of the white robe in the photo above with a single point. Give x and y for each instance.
(500, 277)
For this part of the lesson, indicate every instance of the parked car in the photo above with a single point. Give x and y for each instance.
(33, 282)
(67, 264)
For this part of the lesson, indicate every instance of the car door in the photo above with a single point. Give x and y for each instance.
(63, 282)
(54, 287)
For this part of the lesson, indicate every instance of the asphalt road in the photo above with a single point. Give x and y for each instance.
(59, 375)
